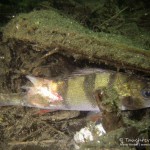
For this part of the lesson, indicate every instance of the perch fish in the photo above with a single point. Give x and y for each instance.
(84, 90)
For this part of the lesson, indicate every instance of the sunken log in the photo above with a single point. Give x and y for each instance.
(51, 31)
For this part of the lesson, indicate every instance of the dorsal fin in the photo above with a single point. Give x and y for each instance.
(83, 72)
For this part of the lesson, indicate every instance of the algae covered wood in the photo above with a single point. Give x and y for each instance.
(46, 30)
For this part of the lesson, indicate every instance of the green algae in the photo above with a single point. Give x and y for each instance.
(48, 29)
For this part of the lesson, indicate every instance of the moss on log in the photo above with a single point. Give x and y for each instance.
(48, 30)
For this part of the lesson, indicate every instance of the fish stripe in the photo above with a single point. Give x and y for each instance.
(64, 89)
(89, 85)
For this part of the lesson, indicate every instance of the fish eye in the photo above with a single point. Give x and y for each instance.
(146, 92)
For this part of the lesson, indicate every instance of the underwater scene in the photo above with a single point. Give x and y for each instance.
(74, 75)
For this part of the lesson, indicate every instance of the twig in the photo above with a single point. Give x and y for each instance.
(55, 50)
(50, 53)
(113, 17)
(33, 142)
